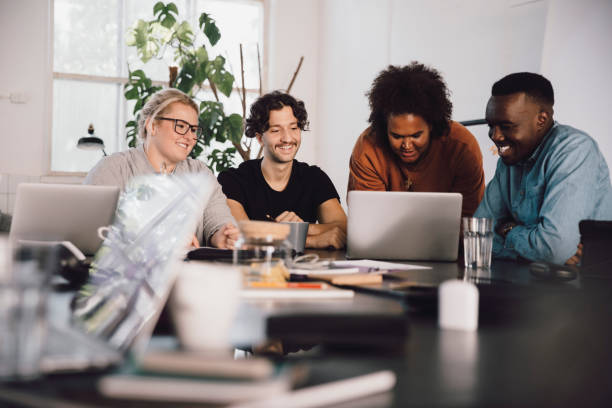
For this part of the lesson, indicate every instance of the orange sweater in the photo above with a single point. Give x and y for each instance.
(453, 163)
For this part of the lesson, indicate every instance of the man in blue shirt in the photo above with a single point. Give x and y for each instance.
(550, 175)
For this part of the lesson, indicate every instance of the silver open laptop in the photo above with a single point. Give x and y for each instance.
(62, 212)
(403, 225)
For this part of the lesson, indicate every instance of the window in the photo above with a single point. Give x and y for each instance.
(90, 65)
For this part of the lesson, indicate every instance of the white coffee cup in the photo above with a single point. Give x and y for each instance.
(203, 305)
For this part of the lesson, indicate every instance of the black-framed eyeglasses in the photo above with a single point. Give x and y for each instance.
(182, 127)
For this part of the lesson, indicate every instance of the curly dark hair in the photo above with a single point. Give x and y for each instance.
(534, 85)
(415, 89)
(259, 115)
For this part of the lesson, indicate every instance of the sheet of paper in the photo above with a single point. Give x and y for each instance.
(372, 266)
(325, 271)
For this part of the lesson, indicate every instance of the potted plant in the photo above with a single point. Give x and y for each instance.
(196, 69)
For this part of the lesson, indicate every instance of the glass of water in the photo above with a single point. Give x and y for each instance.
(477, 242)
(24, 285)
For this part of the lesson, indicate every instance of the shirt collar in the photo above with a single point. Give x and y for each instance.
(534, 156)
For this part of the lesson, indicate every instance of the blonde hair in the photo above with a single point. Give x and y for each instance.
(157, 104)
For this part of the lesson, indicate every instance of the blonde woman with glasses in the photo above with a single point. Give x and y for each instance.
(168, 130)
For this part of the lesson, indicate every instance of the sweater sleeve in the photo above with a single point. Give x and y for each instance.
(217, 213)
(364, 167)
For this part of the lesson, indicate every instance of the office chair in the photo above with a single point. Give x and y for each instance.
(596, 238)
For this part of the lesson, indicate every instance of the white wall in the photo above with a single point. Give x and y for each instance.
(292, 32)
(577, 59)
(345, 43)
(24, 68)
(353, 46)
(473, 43)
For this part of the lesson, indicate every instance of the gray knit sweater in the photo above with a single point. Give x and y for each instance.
(119, 168)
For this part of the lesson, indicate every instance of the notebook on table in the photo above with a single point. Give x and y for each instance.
(63, 212)
(403, 225)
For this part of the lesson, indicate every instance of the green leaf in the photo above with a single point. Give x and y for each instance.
(168, 21)
(221, 78)
(210, 29)
(200, 73)
(234, 127)
(171, 7)
(196, 151)
(219, 62)
(137, 35)
(220, 160)
(159, 6)
(185, 80)
(201, 55)
(132, 94)
(211, 115)
(184, 33)
(139, 73)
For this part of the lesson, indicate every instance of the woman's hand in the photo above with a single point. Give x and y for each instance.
(194, 242)
(225, 237)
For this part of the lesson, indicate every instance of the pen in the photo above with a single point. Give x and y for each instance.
(289, 285)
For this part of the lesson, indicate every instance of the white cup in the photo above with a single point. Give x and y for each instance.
(203, 305)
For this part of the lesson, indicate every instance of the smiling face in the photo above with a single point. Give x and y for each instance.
(517, 124)
(163, 143)
(409, 136)
(282, 139)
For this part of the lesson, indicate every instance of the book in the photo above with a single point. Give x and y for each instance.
(325, 291)
(190, 377)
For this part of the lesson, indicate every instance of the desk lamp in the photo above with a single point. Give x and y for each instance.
(91, 142)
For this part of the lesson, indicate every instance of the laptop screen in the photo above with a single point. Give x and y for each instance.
(60, 212)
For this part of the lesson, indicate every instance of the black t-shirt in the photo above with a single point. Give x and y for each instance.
(307, 189)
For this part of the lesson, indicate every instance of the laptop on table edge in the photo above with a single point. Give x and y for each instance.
(403, 226)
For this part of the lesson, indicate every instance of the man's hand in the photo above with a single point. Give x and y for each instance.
(334, 237)
(504, 227)
(288, 216)
(225, 237)
(575, 259)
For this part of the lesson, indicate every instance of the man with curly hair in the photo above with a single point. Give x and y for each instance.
(412, 144)
(278, 187)
(550, 176)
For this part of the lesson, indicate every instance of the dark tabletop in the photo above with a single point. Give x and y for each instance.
(538, 343)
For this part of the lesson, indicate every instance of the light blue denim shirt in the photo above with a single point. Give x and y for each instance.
(565, 180)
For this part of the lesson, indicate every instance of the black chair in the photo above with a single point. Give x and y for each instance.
(596, 238)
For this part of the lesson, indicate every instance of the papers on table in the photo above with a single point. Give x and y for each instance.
(352, 267)
(369, 265)
(325, 271)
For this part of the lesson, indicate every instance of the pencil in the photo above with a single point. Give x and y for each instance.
(287, 285)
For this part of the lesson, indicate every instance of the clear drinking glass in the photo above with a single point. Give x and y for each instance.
(262, 250)
(24, 286)
(477, 242)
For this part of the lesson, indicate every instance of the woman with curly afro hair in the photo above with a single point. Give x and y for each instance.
(412, 144)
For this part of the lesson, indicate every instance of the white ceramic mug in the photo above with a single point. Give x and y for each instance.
(203, 305)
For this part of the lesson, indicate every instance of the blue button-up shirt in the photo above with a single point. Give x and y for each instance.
(565, 180)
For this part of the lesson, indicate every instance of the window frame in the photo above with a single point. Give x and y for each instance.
(122, 111)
